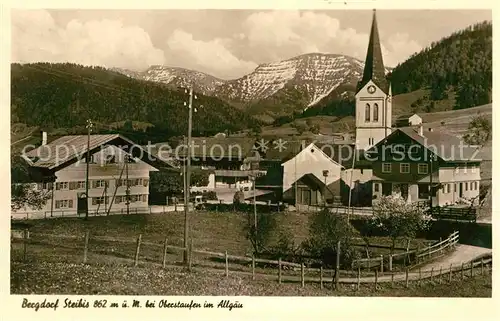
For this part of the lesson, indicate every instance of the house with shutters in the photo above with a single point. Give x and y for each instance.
(425, 166)
(118, 174)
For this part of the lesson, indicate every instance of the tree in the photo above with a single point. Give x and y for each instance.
(26, 195)
(24, 190)
(170, 183)
(398, 219)
(325, 230)
(238, 198)
(479, 131)
(260, 237)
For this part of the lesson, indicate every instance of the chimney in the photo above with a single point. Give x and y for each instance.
(44, 138)
(421, 130)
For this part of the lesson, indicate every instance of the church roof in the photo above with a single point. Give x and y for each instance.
(374, 64)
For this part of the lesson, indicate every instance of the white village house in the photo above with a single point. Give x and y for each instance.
(110, 167)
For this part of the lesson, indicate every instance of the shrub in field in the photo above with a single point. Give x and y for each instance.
(259, 234)
(397, 218)
(325, 230)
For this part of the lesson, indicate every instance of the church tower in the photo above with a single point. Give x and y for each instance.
(373, 96)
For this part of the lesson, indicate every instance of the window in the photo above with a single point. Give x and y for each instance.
(119, 199)
(145, 182)
(367, 113)
(77, 185)
(61, 185)
(97, 200)
(375, 112)
(404, 168)
(423, 191)
(376, 187)
(133, 198)
(144, 198)
(448, 188)
(475, 185)
(466, 186)
(64, 204)
(386, 167)
(99, 183)
(423, 168)
(455, 188)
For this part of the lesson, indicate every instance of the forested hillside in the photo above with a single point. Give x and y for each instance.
(453, 73)
(64, 96)
(462, 62)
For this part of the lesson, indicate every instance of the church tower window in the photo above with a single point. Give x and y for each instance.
(375, 112)
(367, 113)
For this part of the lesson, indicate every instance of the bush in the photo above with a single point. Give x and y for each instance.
(326, 229)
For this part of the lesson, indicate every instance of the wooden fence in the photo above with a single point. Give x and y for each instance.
(454, 213)
(307, 274)
(415, 257)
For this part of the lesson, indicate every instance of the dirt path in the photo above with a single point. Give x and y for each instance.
(462, 254)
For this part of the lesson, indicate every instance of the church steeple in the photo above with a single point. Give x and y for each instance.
(374, 64)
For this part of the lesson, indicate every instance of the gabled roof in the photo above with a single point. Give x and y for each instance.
(316, 148)
(68, 149)
(374, 65)
(447, 147)
(406, 116)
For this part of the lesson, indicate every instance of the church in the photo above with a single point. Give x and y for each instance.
(373, 96)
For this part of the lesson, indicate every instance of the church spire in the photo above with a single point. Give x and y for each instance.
(374, 64)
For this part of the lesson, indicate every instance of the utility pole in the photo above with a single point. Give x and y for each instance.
(350, 184)
(188, 176)
(89, 129)
(430, 182)
(325, 175)
(128, 184)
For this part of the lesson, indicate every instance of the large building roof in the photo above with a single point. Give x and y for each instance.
(448, 147)
(68, 149)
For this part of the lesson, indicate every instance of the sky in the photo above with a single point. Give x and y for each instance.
(224, 43)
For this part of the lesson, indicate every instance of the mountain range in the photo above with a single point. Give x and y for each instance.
(308, 78)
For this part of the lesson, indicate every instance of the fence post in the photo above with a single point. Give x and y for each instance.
(25, 244)
(253, 266)
(449, 277)
(190, 254)
(472, 269)
(321, 277)
(86, 247)
(406, 278)
(279, 270)
(390, 262)
(337, 267)
(165, 248)
(432, 272)
(302, 273)
(376, 279)
(419, 275)
(392, 279)
(462, 271)
(482, 266)
(359, 277)
(440, 246)
(381, 264)
(440, 274)
(227, 264)
(137, 249)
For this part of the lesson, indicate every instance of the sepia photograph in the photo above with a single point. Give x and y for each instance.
(311, 153)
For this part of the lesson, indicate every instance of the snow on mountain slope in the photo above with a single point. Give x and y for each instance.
(314, 76)
(177, 77)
